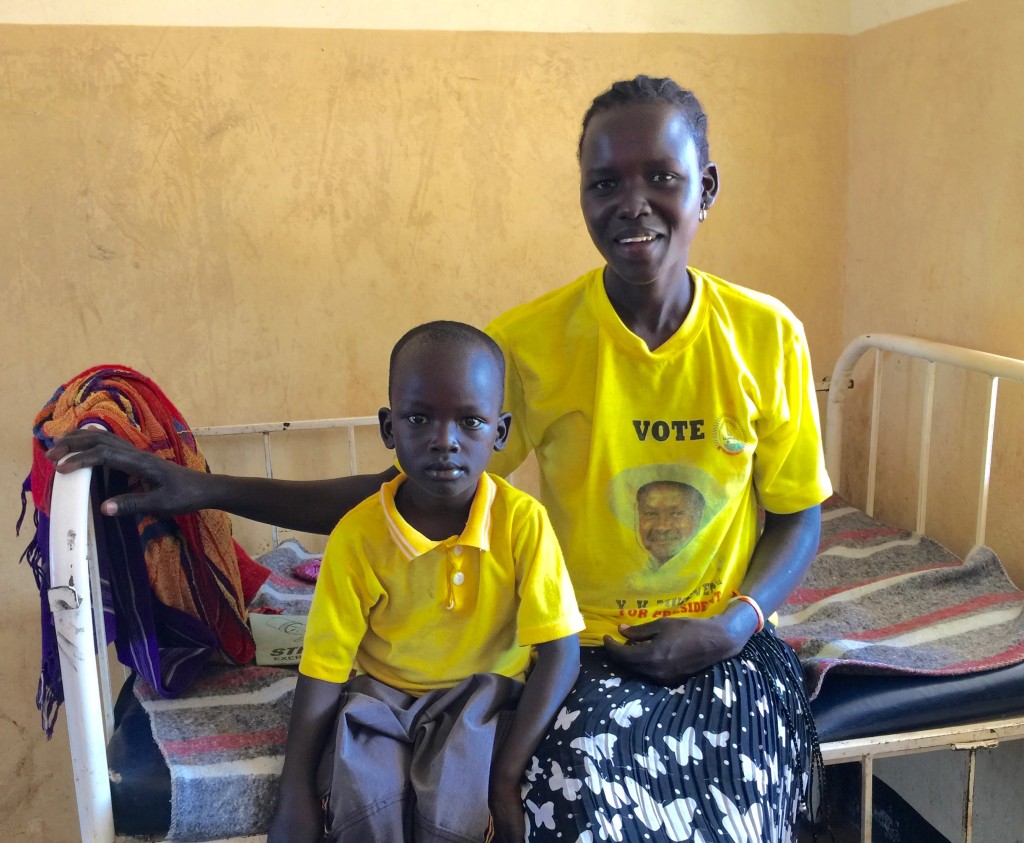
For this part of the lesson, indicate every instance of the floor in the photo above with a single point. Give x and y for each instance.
(894, 821)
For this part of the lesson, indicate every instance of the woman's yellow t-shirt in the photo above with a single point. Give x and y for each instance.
(653, 463)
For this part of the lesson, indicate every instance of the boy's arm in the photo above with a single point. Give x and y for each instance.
(558, 665)
(312, 506)
(299, 816)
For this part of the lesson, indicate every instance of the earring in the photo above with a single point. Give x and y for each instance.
(703, 213)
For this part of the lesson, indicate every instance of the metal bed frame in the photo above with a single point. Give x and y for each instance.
(966, 738)
(88, 697)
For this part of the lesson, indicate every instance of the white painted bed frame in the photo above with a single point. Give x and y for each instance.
(88, 700)
(968, 738)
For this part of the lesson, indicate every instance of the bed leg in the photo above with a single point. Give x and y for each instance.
(972, 757)
(867, 777)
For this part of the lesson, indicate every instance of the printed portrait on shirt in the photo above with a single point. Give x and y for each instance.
(666, 507)
(668, 513)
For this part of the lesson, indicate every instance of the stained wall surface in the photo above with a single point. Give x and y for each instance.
(935, 245)
(253, 216)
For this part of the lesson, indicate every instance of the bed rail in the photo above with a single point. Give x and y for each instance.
(265, 429)
(86, 681)
(85, 671)
(72, 552)
(969, 738)
(994, 366)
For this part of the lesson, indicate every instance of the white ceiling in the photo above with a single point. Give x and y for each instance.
(732, 17)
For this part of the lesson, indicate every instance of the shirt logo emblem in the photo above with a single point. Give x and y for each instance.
(730, 436)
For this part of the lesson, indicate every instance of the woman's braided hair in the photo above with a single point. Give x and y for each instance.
(647, 89)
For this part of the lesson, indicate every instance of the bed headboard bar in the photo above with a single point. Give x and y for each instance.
(264, 429)
(994, 366)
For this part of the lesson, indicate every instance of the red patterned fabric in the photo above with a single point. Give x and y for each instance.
(193, 566)
(878, 599)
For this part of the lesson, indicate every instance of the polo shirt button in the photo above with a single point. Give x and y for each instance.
(457, 550)
(459, 578)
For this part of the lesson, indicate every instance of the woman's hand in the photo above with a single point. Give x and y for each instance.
(506, 804)
(312, 506)
(670, 650)
(171, 489)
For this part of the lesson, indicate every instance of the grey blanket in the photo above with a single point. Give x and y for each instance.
(878, 599)
(224, 740)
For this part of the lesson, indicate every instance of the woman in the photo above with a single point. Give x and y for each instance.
(688, 721)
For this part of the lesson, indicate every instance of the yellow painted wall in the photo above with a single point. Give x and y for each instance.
(252, 216)
(728, 17)
(935, 243)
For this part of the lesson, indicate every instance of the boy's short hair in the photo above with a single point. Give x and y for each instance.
(458, 334)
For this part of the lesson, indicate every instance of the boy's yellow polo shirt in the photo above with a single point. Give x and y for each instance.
(419, 614)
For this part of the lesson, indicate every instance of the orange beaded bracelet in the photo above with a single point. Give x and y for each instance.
(752, 603)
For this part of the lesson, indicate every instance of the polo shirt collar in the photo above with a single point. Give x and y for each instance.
(412, 543)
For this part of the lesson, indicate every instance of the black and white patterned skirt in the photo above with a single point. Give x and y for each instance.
(726, 756)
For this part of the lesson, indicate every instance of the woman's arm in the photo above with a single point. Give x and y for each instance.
(558, 665)
(299, 816)
(313, 506)
(781, 558)
(670, 650)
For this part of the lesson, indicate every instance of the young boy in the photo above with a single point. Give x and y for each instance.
(438, 586)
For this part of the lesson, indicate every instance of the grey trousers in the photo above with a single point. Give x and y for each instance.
(414, 769)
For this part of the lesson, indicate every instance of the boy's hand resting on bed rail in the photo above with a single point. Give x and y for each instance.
(171, 489)
(670, 650)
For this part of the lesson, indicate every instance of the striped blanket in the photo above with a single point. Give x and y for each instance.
(224, 740)
(878, 599)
